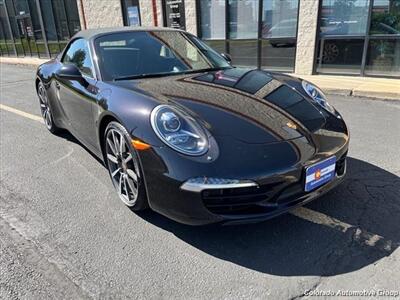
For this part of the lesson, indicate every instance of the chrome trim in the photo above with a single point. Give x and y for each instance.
(199, 187)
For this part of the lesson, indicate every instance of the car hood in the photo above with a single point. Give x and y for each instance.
(253, 106)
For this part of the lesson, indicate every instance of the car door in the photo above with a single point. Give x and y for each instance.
(77, 96)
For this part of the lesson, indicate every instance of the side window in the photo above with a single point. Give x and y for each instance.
(78, 54)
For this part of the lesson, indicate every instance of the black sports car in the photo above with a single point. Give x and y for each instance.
(188, 135)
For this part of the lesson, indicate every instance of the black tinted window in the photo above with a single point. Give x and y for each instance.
(78, 54)
(136, 53)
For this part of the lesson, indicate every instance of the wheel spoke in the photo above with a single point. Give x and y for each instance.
(131, 186)
(115, 141)
(126, 186)
(112, 147)
(128, 158)
(112, 158)
(121, 144)
(43, 96)
(132, 175)
(40, 94)
(120, 185)
(48, 117)
(115, 172)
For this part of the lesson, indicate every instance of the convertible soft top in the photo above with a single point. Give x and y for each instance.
(91, 33)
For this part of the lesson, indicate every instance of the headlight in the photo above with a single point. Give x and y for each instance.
(317, 95)
(179, 130)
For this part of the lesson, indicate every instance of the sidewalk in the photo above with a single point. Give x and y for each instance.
(380, 88)
(30, 61)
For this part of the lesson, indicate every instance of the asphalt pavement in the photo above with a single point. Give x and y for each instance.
(64, 234)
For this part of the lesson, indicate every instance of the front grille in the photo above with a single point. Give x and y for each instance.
(262, 199)
(249, 200)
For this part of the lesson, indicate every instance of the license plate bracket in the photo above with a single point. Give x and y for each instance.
(320, 173)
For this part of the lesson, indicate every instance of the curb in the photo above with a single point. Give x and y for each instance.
(339, 92)
(371, 95)
(377, 95)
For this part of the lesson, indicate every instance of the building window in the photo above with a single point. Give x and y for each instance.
(350, 45)
(243, 52)
(18, 42)
(212, 25)
(131, 12)
(278, 54)
(256, 33)
(243, 19)
(279, 18)
(279, 29)
(340, 17)
(6, 40)
(385, 18)
(383, 54)
(22, 30)
(212, 29)
(71, 10)
(341, 56)
(383, 57)
(242, 31)
(60, 23)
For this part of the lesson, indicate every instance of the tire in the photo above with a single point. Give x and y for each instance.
(124, 167)
(45, 109)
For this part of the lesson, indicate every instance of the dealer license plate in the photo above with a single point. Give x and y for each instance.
(320, 173)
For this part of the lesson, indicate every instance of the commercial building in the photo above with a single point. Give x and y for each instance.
(355, 37)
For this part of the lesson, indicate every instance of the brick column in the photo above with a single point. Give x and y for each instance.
(306, 36)
(82, 16)
(101, 13)
(191, 16)
(160, 17)
(146, 12)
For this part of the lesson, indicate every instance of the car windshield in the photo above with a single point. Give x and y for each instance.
(138, 54)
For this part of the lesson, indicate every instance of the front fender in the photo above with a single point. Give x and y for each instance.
(129, 108)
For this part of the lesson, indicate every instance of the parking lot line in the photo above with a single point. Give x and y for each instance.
(21, 113)
(361, 236)
(321, 219)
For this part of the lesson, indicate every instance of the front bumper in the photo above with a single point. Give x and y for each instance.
(267, 197)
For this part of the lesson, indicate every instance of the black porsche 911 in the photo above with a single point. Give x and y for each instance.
(183, 132)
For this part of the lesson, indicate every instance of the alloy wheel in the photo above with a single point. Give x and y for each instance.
(123, 167)
(44, 106)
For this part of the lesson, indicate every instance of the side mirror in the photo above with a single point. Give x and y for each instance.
(227, 57)
(69, 72)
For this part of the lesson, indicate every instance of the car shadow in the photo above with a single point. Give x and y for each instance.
(368, 199)
(66, 135)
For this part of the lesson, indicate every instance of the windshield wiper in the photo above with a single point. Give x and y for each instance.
(149, 75)
(206, 70)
